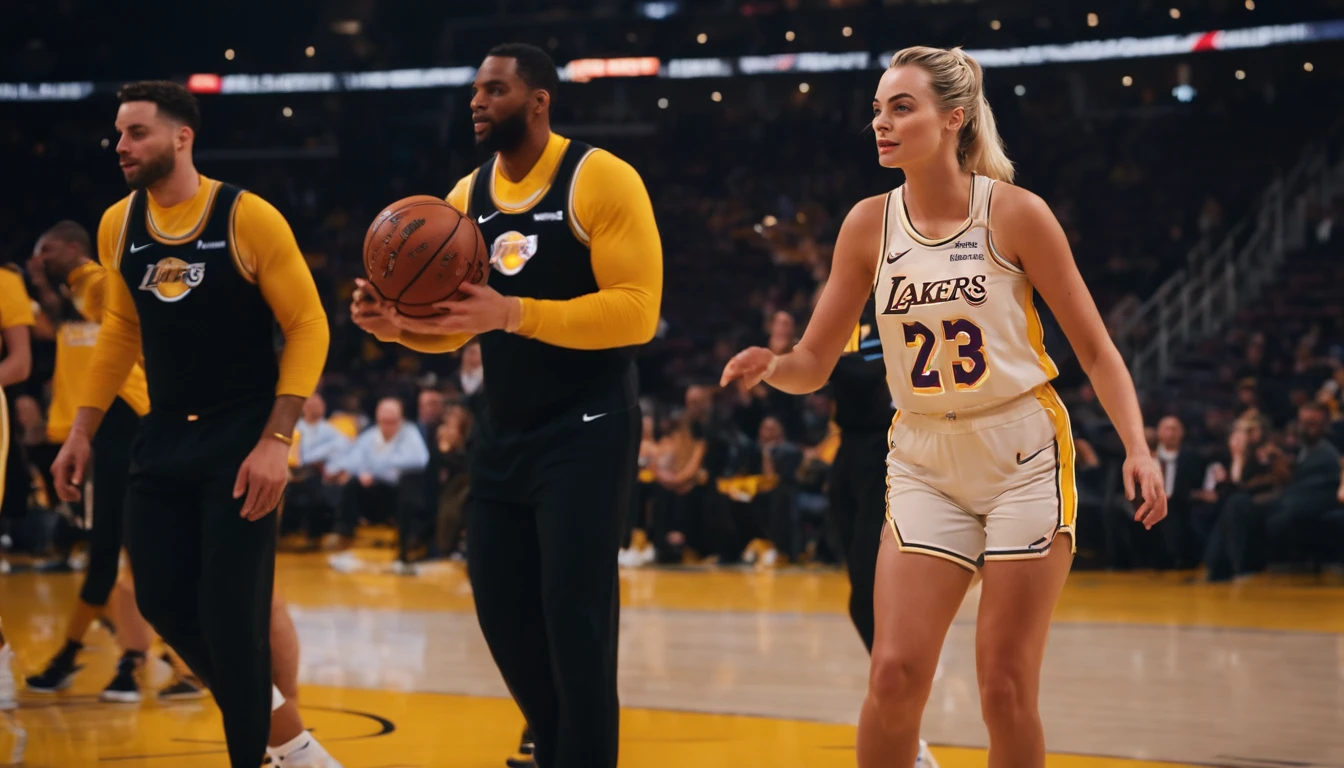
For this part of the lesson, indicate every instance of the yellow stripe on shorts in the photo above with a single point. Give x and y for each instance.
(1066, 479)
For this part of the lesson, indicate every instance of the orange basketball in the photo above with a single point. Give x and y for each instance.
(419, 250)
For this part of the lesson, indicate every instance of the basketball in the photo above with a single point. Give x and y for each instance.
(419, 250)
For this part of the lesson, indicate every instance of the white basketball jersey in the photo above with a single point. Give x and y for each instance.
(957, 322)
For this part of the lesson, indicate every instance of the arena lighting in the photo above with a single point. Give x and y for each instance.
(584, 70)
(45, 91)
(202, 83)
(712, 67)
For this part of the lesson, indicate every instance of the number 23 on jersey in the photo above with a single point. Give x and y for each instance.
(969, 369)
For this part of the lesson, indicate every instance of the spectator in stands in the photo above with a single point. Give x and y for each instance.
(1302, 490)
(310, 499)
(471, 376)
(1183, 473)
(776, 510)
(429, 411)
(636, 549)
(1249, 401)
(380, 473)
(680, 474)
(452, 482)
(1298, 516)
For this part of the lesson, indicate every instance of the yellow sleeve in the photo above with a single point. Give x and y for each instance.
(613, 208)
(118, 346)
(269, 255)
(88, 288)
(460, 197)
(16, 306)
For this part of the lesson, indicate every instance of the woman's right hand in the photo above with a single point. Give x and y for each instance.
(371, 312)
(751, 365)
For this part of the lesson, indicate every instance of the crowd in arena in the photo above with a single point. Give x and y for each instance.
(748, 217)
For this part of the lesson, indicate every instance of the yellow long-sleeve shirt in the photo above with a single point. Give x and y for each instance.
(16, 306)
(612, 206)
(266, 255)
(75, 341)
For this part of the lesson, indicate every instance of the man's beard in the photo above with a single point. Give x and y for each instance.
(153, 171)
(506, 135)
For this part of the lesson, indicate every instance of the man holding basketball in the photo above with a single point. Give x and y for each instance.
(576, 283)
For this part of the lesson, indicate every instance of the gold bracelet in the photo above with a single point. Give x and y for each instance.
(283, 438)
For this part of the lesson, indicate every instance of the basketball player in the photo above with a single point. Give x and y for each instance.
(858, 490)
(980, 470)
(577, 283)
(214, 270)
(16, 322)
(62, 258)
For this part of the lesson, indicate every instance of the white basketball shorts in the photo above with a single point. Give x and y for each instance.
(991, 483)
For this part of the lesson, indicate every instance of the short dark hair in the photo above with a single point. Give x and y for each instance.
(172, 99)
(71, 232)
(535, 66)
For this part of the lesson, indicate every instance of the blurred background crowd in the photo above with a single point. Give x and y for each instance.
(1145, 161)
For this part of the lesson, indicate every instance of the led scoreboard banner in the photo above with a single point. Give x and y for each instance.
(588, 70)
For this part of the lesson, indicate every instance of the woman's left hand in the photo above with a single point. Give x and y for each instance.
(1143, 473)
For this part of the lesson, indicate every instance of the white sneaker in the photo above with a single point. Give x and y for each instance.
(310, 755)
(345, 562)
(770, 557)
(7, 689)
(925, 758)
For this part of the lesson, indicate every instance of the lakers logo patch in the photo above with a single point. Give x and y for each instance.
(172, 279)
(511, 251)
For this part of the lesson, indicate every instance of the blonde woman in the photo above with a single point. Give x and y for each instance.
(981, 465)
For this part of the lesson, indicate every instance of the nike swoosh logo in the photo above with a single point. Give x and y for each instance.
(483, 219)
(1021, 461)
(141, 248)
(893, 259)
(587, 418)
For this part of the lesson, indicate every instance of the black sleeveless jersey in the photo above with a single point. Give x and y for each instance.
(207, 334)
(859, 385)
(536, 252)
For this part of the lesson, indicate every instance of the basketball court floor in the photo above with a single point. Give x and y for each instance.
(732, 668)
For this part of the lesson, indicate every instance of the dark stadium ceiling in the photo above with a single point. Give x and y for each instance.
(68, 40)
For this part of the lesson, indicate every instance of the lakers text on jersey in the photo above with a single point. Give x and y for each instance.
(958, 325)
